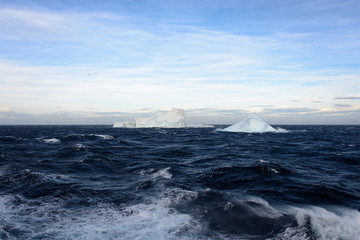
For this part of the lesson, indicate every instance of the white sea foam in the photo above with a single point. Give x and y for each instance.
(326, 224)
(293, 233)
(263, 161)
(79, 147)
(322, 224)
(145, 171)
(103, 136)
(106, 137)
(165, 173)
(154, 220)
(52, 140)
(282, 130)
(271, 213)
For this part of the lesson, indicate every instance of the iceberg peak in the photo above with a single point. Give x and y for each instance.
(251, 124)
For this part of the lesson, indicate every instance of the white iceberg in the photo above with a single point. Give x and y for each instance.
(252, 124)
(124, 125)
(199, 126)
(173, 119)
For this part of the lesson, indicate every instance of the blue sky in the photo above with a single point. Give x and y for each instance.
(96, 62)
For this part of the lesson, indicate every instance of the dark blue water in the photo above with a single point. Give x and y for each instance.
(98, 182)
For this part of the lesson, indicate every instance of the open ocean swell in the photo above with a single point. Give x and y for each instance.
(98, 182)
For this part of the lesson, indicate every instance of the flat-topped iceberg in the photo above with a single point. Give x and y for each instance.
(173, 119)
(252, 124)
(124, 125)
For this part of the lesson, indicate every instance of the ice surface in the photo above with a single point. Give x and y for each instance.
(199, 126)
(252, 124)
(124, 125)
(173, 119)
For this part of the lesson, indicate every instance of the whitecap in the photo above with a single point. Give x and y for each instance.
(106, 137)
(145, 171)
(153, 220)
(52, 140)
(274, 170)
(335, 223)
(163, 173)
(263, 161)
(79, 147)
(282, 130)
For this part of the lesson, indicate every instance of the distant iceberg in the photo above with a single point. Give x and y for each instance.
(199, 126)
(124, 125)
(173, 119)
(252, 124)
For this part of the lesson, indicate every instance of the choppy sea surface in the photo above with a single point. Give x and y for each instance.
(98, 182)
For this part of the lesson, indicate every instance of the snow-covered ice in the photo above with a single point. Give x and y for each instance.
(173, 119)
(252, 124)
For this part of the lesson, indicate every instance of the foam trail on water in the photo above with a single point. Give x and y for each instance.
(154, 220)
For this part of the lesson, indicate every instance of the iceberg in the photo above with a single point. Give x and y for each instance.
(173, 119)
(252, 124)
(199, 126)
(124, 125)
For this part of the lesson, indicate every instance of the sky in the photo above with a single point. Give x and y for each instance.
(97, 62)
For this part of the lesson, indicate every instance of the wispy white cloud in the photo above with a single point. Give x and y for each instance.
(70, 62)
(347, 98)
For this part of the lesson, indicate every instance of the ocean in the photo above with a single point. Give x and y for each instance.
(99, 182)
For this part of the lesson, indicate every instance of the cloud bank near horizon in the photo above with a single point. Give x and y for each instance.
(78, 65)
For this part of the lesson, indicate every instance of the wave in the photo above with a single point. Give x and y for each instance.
(323, 224)
(175, 214)
(100, 183)
(72, 137)
(151, 220)
(251, 217)
(27, 176)
(10, 138)
(79, 147)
